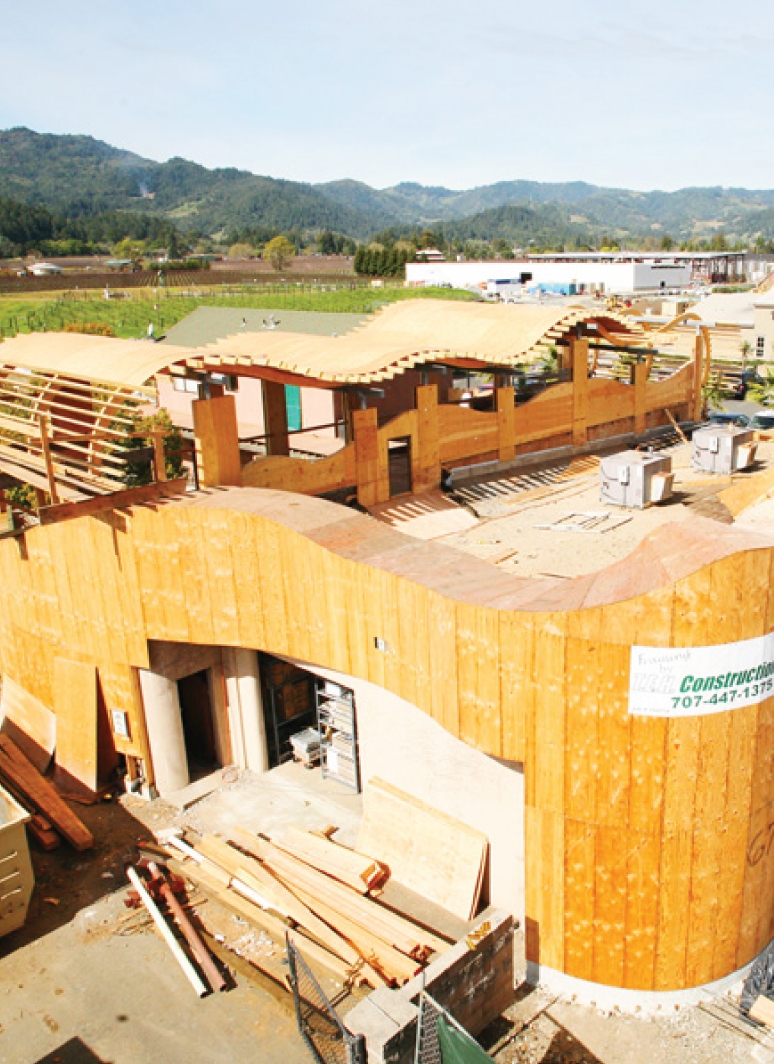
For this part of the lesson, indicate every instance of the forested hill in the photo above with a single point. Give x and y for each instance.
(78, 176)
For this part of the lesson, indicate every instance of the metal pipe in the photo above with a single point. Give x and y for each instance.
(199, 950)
(190, 972)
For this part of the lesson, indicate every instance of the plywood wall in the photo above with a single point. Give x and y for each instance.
(449, 435)
(649, 856)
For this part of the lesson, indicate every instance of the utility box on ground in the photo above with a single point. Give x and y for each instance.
(16, 879)
(722, 449)
(635, 479)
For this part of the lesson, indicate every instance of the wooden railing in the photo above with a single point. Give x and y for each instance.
(449, 435)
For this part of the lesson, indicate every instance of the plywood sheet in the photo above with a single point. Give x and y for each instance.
(75, 705)
(427, 851)
(30, 724)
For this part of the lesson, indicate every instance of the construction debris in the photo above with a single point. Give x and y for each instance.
(328, 913)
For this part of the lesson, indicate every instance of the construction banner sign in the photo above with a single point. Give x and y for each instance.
(691, 681)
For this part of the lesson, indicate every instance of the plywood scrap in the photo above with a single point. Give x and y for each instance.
(28, 723)
(426, 850)
(38, 795)
(358, 871)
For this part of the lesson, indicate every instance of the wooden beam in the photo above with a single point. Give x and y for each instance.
(217, 441)
(275, 418)
(579, 362)
(52, 488)
(506, 424)
(159, 461)
(38, 792)
(117, 500)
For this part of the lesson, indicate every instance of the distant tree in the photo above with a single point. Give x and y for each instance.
(430, 239)
(129, 249)
(326, 242)
(667, 243)
(279, 252)
(719, 242)
(360, 260)
(241, 251)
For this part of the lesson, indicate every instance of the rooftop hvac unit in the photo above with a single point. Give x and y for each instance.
(635, 478)
(722, 449)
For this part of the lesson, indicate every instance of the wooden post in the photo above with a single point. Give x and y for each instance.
(275, 418)
(47, 459)
(425, 457)
(698, 377)
(217, 441)
(159, 462)
(579, 353)
(364, 423)
(506, 424)
(639, 380)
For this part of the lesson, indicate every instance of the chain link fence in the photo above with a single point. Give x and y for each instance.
(326, 1036)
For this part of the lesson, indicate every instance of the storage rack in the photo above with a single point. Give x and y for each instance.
(337, 725)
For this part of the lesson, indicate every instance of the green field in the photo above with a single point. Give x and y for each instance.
(130, 313)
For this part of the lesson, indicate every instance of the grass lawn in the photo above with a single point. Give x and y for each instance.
(129, 314)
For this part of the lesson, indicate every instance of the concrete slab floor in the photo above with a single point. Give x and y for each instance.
(123, 997)
(85, 982)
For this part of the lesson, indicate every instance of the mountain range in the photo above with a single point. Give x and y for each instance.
(78, 175)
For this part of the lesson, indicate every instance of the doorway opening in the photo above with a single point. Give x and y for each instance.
(399, 459)
(288, 705)
(198, 726)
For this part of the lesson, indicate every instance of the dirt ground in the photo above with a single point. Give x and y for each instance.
(87, 980)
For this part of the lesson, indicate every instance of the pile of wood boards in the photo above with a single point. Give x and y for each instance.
(316, 893)
(51, 816)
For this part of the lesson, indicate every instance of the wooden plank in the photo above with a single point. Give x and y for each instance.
(243, 868)
(39, 793)
(394, 928)
(426, 850)
(762, 1009)
(579, 356)
(426, 463)
(115, 500)
(393, 966)
(217, 440)
(356, 870)
(579, 899)
(75, 706)
(42, 832)
(30, 724)
(506, 424)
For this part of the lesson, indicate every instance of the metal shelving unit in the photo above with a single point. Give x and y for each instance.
(337, 725)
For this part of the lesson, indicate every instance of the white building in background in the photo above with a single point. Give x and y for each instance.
(619, 272)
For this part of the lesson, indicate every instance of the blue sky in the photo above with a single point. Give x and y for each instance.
(451, 93)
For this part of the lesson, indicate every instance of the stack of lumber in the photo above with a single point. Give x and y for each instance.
(38, 796)
(316, 893)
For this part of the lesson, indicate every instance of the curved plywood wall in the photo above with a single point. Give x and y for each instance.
(648, 840)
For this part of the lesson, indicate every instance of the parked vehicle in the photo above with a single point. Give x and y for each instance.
(763, 421)
(719, 417)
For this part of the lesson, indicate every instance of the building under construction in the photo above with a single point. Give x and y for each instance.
(182, 625)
